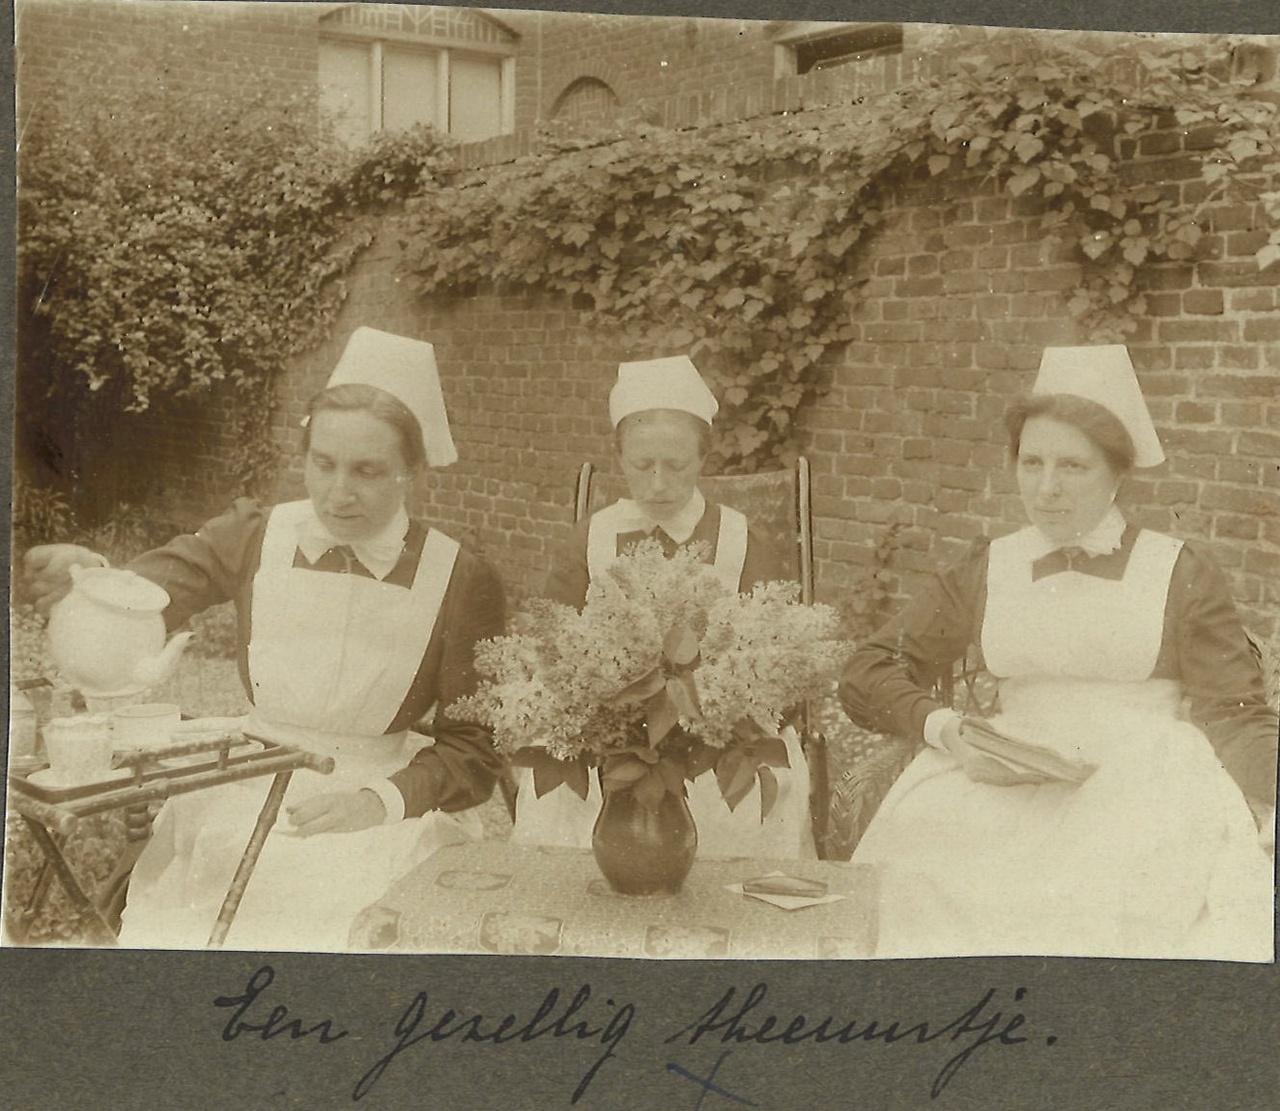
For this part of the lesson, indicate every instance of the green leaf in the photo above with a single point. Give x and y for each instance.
(673, 775)
(772, 751)
(684, 696)
(621, 772)
(1029, 146)
(1136, 251)
(681, 645)
(650, 790)
(641, 690)
(661, 717)
(699, 758)
(1023, 180)
(1242, 147)
(1268, 255)
(735, 774)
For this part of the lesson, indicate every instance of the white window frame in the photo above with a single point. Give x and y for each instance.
(442, 51)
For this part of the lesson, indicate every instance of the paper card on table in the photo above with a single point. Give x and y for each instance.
(783, 902)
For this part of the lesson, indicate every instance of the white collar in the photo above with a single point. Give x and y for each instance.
(1102, 539)
(679, 526)
(379, 553)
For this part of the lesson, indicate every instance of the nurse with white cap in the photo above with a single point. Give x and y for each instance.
(661, 411)
(1117, 650)
(354, 622)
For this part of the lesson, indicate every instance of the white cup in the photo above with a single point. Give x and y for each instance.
(79, 748)
(146, 725)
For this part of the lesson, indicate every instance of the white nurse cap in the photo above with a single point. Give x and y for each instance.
(406, 369)
(1103, 374)
(671, 383)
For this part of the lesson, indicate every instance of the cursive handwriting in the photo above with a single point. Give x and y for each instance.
(476, 1028)
(736, 1020)
(738, 1025)
(275, 1024)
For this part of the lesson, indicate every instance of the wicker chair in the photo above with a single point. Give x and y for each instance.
(777, 505)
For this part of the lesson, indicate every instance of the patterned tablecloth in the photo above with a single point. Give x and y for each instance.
(498, 897)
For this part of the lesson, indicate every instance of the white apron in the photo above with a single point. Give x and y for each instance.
(331, 660)
(1155, 855)
(560, 817)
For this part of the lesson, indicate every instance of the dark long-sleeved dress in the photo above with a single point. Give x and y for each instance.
(1140, 667)
(344, 664)
(218, 564)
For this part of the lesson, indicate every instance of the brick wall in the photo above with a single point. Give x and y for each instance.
(115, 43)
(961, 297)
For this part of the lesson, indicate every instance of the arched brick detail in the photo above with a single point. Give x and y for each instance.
(609, 76)
(586, 98)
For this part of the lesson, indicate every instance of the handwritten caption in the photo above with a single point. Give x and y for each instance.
(737, 1020)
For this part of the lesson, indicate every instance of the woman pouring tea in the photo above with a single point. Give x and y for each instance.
(1122, 662)
(353, 622)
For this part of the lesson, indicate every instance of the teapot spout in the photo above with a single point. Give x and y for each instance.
(156, 669)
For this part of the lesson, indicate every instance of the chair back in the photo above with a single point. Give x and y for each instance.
(776, 503)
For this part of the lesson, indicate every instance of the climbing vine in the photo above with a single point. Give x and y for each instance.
(743, 244)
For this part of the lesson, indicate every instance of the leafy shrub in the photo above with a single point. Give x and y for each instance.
(179, 236)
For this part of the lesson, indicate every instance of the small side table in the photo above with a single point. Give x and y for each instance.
(143, 779)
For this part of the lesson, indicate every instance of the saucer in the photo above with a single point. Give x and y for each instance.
(50, 780)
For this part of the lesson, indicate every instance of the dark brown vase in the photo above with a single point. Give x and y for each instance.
(642, 851)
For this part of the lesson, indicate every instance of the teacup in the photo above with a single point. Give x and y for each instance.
(79, 748)
(146, 725)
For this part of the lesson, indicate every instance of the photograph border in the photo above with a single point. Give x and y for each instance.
(89, 1028)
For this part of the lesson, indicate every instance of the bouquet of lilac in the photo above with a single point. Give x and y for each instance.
(663, 675)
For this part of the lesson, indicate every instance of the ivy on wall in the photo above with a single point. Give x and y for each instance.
(742, 244)
(179, 234)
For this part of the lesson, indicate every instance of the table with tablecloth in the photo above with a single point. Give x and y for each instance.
(500, 897)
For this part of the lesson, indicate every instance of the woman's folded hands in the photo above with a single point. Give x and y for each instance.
(336, 812)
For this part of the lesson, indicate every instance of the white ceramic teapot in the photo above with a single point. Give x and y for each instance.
(107, 635)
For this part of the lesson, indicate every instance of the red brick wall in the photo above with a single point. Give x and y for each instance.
(118, 42)
(961, 297)
(960, 301)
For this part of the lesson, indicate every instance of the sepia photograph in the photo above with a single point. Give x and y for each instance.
(546, 483)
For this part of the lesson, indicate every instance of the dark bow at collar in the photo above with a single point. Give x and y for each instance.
(1108, 566)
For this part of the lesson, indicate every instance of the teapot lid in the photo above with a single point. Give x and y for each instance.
(122, 589)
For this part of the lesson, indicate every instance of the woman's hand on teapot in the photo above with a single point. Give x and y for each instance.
(46, 571)
(336, 812)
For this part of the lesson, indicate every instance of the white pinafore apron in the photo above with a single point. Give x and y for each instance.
(560, 817)
(331, 659)
(1155, 855)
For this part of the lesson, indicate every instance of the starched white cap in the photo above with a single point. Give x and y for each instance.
(671, 383)
(1103, 374)
(406, 369)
